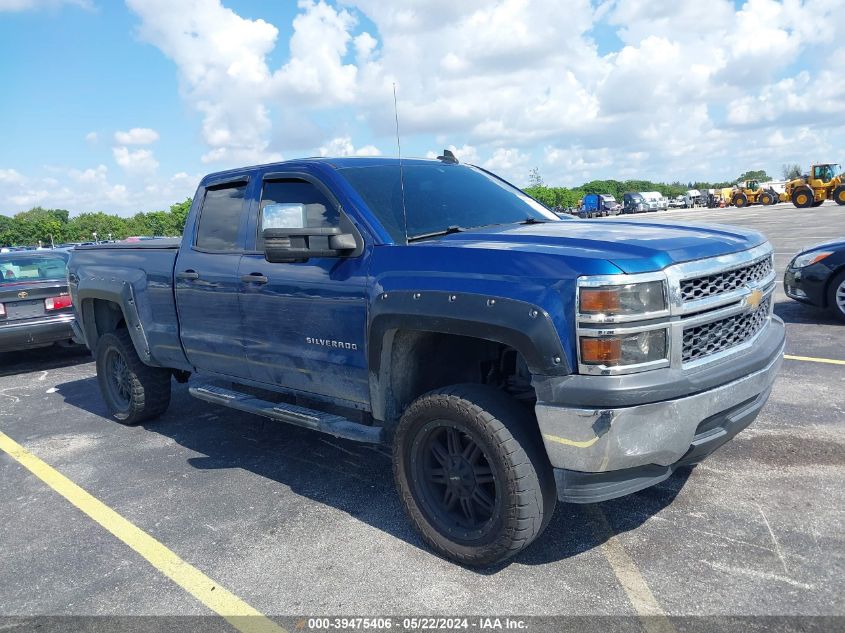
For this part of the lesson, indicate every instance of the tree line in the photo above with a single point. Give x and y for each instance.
(55, 226)
(568, 197)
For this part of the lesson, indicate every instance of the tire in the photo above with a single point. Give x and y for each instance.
(802, 198)
(481, 433)
(839, 195)
(133, 391)
(836, 296)
(740, 200)
(767, 199)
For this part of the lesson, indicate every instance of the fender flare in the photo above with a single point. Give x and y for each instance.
(121, 292)
(523, 326)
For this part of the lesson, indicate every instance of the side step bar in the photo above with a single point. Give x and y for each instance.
(317, 420)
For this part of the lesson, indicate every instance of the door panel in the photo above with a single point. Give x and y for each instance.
(209, 314)
(207, 283)
(304, 328)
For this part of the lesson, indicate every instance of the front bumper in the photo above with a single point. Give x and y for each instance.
(808, 284)
(36, 333)
(629, 445)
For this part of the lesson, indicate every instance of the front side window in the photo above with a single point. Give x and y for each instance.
(220, 218)
(294, 204)
(438, 196)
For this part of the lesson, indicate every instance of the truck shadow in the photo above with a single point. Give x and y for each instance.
(41, 358)
(356, 478)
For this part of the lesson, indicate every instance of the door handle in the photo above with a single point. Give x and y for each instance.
(254, 278)
(188, 274)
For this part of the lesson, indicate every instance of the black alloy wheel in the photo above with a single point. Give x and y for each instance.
(454, 479)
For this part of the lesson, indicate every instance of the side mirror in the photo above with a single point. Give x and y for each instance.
(299, 245)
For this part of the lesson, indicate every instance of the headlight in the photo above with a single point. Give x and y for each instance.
(628, 349)
(808, 259)
(627, 299)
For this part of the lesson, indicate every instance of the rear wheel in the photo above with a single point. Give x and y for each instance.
(802, 198)
(836, 296)
(839, 195)
(472, 473)
(740, 200)
(133, 391)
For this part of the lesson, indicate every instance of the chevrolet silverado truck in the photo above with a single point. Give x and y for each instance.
(510, 357)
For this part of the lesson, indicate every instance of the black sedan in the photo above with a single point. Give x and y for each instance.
(817, 276)
(35, 307)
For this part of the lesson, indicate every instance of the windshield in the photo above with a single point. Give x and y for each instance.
(15, 269)
(439, 196)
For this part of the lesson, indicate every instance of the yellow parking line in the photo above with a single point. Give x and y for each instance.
(234, 610)
(810, 359)
(652, 617)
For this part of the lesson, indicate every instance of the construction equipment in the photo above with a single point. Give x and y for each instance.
(820, 184)
(749, 192)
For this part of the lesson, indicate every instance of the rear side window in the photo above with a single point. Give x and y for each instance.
(291, 204)
(220, 218)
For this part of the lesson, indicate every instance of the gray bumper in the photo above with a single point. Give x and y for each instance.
(605, 439)
(17, 336)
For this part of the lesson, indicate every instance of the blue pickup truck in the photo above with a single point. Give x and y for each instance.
(510, 357)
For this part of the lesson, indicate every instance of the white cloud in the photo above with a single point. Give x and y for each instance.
(139, 161)
(136, 136)
(93, 189)
(92, 137)
(10, 177)
(29, 5)
(342, 146)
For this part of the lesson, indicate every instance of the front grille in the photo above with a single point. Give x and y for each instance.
(711, 338)
(727, 281)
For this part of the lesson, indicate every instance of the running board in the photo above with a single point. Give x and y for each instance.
(300, 416)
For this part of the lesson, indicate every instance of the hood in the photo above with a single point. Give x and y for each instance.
(834, 245)
(633, 247)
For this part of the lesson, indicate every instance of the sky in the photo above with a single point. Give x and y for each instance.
(123, 106)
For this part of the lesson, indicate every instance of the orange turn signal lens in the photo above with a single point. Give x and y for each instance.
(599, 300)
(601, 351)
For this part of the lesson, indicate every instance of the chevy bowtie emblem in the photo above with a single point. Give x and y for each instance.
(23, 294)
(753, 300)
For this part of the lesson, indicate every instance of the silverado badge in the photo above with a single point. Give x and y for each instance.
(23, 294)
(753, 300)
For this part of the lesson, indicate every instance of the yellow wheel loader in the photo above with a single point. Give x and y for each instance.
(749, 192)
(820, 184)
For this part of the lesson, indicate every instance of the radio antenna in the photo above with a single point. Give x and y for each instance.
(401, 172)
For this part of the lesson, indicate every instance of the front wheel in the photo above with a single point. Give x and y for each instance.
(802, 198)
(740, 200)
(133, 391)
(472, 473)
(836, 296)
(839, 195)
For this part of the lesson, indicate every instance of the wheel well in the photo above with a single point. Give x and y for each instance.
(829, 285)
(423, 361)
(107, 317)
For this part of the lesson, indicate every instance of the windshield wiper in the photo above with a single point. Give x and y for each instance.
(447, 231)
(532, 221)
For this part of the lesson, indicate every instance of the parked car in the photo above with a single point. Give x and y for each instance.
(35, 305)
(511, 357)
(817, 276)
(677, 203)
(633, 203)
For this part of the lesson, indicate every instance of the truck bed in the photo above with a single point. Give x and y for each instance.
(138, 276)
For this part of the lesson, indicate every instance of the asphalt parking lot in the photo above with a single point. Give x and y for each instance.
(295, 523)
